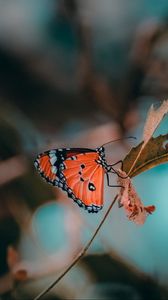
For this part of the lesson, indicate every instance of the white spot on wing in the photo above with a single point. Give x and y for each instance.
(52, 152)
(53, 159)
(36, 164)
(60, 184)
(89, 208)
(73, 157)
(54, 169)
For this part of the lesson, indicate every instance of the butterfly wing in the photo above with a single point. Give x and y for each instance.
(85, 180)
(77, 172)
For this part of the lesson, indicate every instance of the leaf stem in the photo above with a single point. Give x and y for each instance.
(136, 159)
(79, 256)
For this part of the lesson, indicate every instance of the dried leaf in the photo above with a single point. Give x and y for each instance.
(155, 153)
(153, 120)
(151, 152)
(129, 199)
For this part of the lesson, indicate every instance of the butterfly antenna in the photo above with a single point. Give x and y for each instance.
(128, 137)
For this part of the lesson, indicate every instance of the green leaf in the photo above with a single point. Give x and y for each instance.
(154, 153)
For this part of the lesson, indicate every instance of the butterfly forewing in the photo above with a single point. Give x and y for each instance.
(76, 171)
(86, 180)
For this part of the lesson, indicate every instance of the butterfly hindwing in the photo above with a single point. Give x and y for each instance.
(48, 164)
(77, 172)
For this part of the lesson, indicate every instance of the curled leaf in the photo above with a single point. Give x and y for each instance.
(153, 120)
(155, 153)
(129, 199)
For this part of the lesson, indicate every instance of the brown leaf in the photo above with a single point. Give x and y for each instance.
(154, 117)
(155, 153)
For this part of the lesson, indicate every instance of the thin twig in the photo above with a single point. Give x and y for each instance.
(79, 256)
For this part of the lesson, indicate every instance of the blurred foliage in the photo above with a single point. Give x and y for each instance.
(9, 235)
(107, 270)
(66, 78)
(9, 141)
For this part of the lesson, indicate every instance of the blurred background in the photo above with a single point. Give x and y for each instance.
(79, 73)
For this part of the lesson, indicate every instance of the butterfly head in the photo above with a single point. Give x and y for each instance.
(102, 160)
(101, 151)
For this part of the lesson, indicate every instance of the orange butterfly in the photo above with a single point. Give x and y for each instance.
(78, 171)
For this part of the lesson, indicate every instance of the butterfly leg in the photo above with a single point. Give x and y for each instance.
(112, 170)
(116, 163)
(108, 182)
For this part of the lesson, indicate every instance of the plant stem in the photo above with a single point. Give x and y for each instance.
(79, 256)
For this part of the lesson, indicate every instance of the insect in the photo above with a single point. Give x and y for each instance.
(78, 171)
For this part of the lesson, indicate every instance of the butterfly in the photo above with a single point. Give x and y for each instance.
(79, 172)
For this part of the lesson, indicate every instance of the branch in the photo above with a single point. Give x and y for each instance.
(79, 256)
